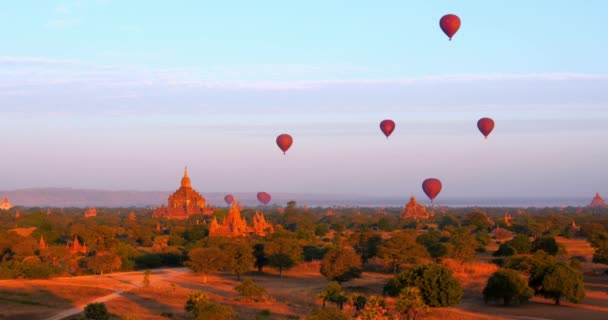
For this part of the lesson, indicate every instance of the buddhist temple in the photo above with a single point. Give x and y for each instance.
(5, 204)
(415, 211)
(42, 244)
(76, 247)
(132, 216)
(508, 219)
(234, 225)
(183, 203)
(598, 202)
(91, 212)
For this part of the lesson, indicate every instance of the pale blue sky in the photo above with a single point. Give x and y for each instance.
(122, 94)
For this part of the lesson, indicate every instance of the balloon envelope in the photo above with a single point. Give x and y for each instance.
(387, 126)
(284, 142)
(431, 187)
(485, 125)
(229, 199)
(450, 23)
(264, 197)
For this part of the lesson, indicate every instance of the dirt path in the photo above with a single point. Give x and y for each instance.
(129, 278)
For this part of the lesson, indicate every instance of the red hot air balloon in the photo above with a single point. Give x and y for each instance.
(387, 126)
(284, 142)
(450, 23)
(264, 197)
(485, 125)
(229, 199)
(431, 187)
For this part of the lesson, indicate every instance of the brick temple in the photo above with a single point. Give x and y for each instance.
(184, 202)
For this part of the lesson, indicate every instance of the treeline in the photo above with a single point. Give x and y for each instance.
(129, 239)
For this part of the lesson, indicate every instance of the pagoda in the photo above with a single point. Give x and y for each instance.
(183, 203)
(76, 247)
(234, 225)
(416, 211)
(598, 202)
(5, 205)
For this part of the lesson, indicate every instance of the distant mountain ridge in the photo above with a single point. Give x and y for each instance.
(68, 197)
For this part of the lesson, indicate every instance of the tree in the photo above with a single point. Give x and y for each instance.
(333, 293)
(558, 280)
(358, 301)
(437, 284)
(341, 264)
(104, 262)
(547, 244)
(464, 246)
(205, 260)
(521, 243)
(259, 253)
(506, 284)
(96, 311)
(410, 303)
(599, 241)
(327, 314)
(479, 220)
(401, 248)
(249, 290)
(504, 250)
(366, 244)
(146, 281)
(201, 308)
(375, 309)
(239, 257)
(284, 252)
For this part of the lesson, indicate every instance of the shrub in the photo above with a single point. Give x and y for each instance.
(504, 250)
(558, 280)
(436, 283)
(249, 290)
(507, 285)
(96, 311)
(327, 314)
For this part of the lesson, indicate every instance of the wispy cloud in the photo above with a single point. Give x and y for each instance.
(39, 84)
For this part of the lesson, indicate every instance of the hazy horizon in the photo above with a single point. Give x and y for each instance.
(121, 96)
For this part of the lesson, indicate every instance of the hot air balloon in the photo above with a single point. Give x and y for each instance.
(284, 141)
(485, 125)
(450, 23)
(431, 187)
(229, 199)
(264, 197)
(387, 126)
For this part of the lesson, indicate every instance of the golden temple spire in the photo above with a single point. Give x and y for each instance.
(186, 180)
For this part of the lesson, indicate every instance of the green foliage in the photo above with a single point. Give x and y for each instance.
(96, 311)
(205, 260)
(556, 281)
(284, 252)
(366, 244)
(259, 252)
(437, 284)
(341, 264)
(358, 301)
(478, 220)
(599, 241)
(463, 246)
(410, 303)
(400, 249)
(201, 308)
(504, 250)
(529, 264)
(375, 309)
(506, 284)
(333, 293)
(327, 314)
(546, 244)
(249, 290)
(521, 243)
